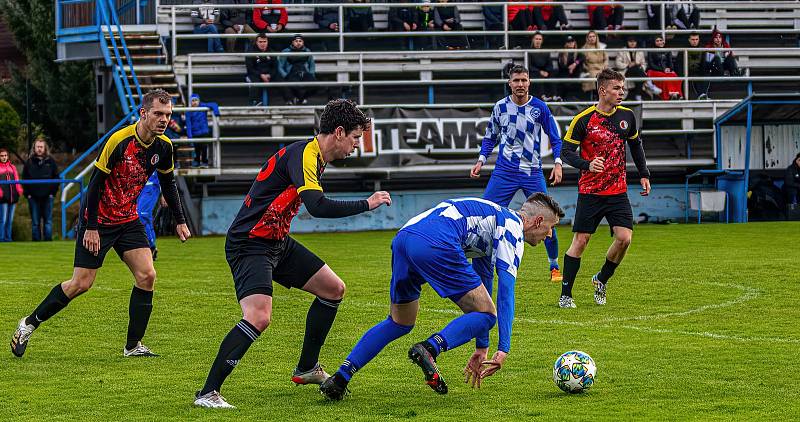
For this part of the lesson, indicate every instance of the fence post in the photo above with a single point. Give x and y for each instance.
(341, 29)
(174, 41)
(505, 26)
(686, 73)
(361, 78)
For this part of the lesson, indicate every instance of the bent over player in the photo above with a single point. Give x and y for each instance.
(108, 219)
(601, 131)
(259, 249)
(434, 248)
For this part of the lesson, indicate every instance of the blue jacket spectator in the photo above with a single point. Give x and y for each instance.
(197, 127)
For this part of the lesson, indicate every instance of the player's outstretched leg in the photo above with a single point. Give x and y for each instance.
(571, 267)
(551, 244)
(140, 262)
(55, 301)
(370, 344)
(456, 333)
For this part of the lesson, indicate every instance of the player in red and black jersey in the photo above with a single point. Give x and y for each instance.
(108, 219)
(601, 132)
(259, 249)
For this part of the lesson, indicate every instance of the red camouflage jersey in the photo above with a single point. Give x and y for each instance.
(274, 197)
(604, 135)
(129, 162)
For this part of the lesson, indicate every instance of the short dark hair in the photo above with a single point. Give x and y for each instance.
(517, 68)
(159, 94)
(344, 113)
(694, 34)
(262, 35)
(609, 75)
(542, 201)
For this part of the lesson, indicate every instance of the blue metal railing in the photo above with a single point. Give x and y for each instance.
(65, 201)
(62, 180)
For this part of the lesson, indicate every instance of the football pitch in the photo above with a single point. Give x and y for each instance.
(702, 323)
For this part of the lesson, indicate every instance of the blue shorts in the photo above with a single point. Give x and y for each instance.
(416, 261)
(503, 186)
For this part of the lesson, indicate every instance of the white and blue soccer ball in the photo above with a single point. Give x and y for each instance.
(574, 371)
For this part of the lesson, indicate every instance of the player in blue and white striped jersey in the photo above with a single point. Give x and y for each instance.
(434, 247)
(516, 124)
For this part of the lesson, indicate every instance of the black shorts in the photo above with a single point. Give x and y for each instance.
(255, 264)
(591, 209)
(122, 238)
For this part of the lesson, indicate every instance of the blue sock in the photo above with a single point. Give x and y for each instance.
(461, 330)
(370, 344)
(551, 244)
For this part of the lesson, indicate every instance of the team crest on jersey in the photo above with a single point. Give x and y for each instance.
(535, 113)
(623, 124)
(154, 160)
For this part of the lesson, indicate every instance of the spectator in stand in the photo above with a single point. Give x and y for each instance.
(695, 65)
(654, 18)
(520, 18)
(791, 182)
(541, 67)
(205, 18)
(632, 64)
(720, 62)
(197, 127)
(403, 19)
(549, 17)
(234, 21)
(608, 17)
(261, 68)
(269, 19)
(570, 64)
(9, 195)
(593, 61)
(358, 19)
(40, 165)
(327, 19)
(297, 68)
(447, 18)
(493, 21)
(426, 22)
(659, 65)
(685, 15)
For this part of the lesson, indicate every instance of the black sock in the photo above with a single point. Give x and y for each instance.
(571, 267)
(607, 271)
(318, 322)
(141, 305)
(232, 349)
(55, 301)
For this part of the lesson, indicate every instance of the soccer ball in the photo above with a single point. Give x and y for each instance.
(574, 371)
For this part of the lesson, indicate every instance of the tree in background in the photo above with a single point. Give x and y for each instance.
(62, 94)
(9, 127)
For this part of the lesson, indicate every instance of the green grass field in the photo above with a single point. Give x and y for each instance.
(702, 323)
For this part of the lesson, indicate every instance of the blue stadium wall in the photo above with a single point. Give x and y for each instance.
(664, 202)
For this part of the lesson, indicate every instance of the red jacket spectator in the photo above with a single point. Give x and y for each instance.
(514, 10)
(9, 194)
(266, 16)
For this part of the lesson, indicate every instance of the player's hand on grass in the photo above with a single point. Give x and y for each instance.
(645, 186)
(91, 241)
(476, 170)
(556, 175)
(493, 365)
(472, 372)
(183, 232)
(597, 164)
(379, 198)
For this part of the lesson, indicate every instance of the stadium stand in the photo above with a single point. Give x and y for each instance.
(679, 134)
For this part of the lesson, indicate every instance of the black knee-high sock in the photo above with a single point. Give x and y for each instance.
(139, 310)
(607, 271)
(571, 267)
(318, 322)
(55, 301)
(232, 349)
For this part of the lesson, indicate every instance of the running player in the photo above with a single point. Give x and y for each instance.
(601, 131)
(108, 219)
(259, 249)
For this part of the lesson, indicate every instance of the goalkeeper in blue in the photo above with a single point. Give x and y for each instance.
(516, 124)
(434, 247)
